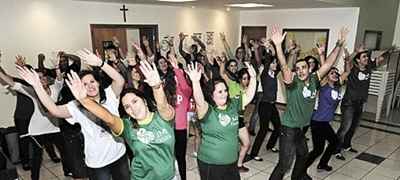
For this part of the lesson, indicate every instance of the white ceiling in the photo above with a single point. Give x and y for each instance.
(217, 4)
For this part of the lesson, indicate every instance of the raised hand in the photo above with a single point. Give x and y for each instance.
(222, 36)
(277, 36)
(321, 49)
(346, 54)
(172, 59)
(194, 72)
(343, 34)
(89, 58)
(20, 60)
(138, 50)
(244, 39)
(29, 75)
(76, 86)
(250, 69)
(150, 73)
(181, 36)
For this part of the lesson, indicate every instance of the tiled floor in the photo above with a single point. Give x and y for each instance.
(366, 140)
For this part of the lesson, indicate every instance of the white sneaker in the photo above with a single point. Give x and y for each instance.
(194, 154)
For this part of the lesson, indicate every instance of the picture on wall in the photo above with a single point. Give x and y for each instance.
(306, 40)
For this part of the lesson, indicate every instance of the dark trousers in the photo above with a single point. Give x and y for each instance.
(256, 115)
(321, 132)
(267, 112)
(116, 170)
(38, 146)
(292, 143)
(351, 115)
(24, 149)
(218, 172)
(180, 151)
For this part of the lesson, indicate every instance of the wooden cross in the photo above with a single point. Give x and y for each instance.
(123, 9)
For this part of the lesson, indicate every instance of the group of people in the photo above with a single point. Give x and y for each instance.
(143, 100)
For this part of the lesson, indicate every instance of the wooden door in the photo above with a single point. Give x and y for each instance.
(99, 35)
(254, 32)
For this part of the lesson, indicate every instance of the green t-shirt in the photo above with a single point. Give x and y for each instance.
(153, 148)
(300, 102)
(220, 140)
(234, 89)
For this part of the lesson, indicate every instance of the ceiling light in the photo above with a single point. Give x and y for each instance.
(249, 5)
(177, 0)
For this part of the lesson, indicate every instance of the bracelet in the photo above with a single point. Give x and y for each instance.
(102, 63)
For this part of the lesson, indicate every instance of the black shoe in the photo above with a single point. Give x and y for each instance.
(243, 169)
(350, 149)
(26, 166)
(247, 158)
(324, 167)
(340, 156)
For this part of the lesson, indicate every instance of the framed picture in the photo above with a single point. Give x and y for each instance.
(306, 40)
(372, 39)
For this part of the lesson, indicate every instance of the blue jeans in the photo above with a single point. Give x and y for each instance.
(351, 115)
(292, 142)
(117, 170)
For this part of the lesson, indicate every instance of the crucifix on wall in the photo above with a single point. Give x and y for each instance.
(124, 9)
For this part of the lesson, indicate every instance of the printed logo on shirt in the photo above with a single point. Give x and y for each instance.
(308, 93)
(335, 95)
(179, 99)
(157, 137)
(363, 77)
(225, 120)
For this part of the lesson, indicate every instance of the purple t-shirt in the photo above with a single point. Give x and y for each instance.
(328, 101)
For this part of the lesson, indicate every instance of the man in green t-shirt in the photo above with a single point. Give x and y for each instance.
(301, 93)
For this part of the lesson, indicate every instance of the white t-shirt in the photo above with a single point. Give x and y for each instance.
(41, 122)
(101, 147)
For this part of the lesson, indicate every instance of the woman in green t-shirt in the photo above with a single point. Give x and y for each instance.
(219, 119)
(149, 134)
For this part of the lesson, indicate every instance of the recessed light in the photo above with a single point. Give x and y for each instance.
(249, 5)
(177, 0)
(228, 9)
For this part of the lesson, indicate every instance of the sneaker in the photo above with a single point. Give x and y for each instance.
(194, 154)
(340, 156)
(243, 169)
(274, 150)
(324, 167)
(350, 149)
(257, 158)
(26, 166)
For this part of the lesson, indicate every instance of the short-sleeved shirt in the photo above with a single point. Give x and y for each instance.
(329, 98)
(101, 147)
(40, 123)
(300, 102)
(153, 148)
(219, 140)
(358, 83)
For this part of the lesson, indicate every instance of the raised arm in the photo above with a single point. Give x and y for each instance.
(334, 54)
(6, 79)
(152, 78)
(185, 55)
(201, 44)
(33, 79)
(195, 75)
(222, 72)
(347, 66)
(321, 53)
(226, 46)
(79, 91)
(277, 37)
(93, 60)
(251, 89)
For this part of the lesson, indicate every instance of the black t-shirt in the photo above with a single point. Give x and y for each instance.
(23, 110)
(269, 85)
(358, 83)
